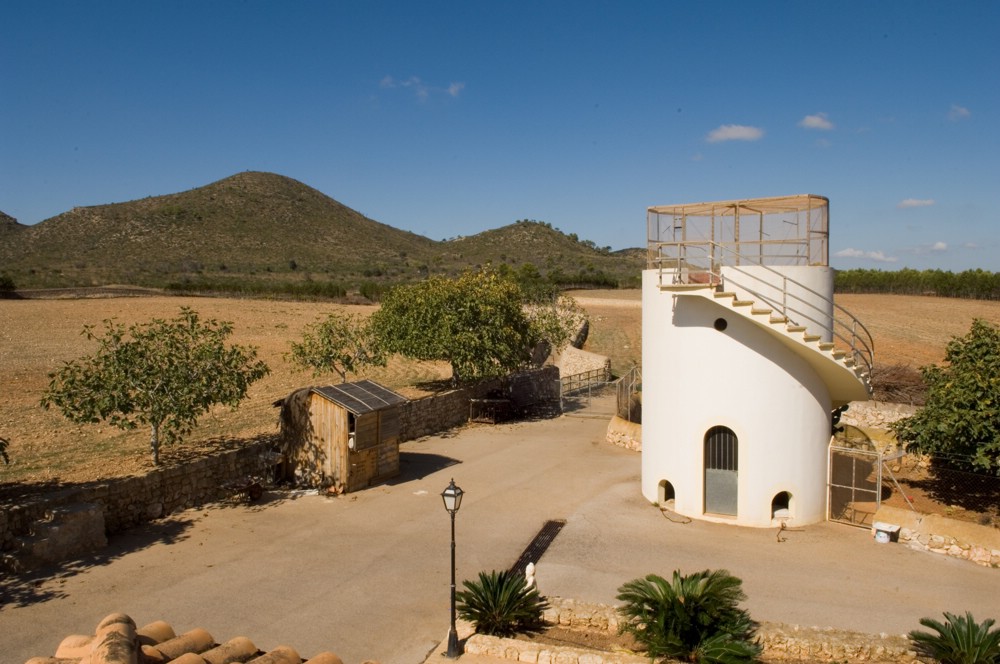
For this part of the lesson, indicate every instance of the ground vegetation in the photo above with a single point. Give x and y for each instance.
(958, 640)
(694, 617)
(501, 604)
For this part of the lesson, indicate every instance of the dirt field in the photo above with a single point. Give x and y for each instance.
(36, 336)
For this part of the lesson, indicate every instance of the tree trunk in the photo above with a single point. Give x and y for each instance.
(154, 443)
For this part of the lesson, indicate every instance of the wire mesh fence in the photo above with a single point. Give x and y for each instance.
(933, 485)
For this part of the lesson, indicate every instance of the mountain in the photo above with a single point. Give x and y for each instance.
(9, 225)
(267, 227)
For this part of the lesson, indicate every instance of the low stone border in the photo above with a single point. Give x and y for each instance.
(625, 434)
(941, 535)
(781, 642)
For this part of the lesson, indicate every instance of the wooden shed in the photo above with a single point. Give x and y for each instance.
(351, 438)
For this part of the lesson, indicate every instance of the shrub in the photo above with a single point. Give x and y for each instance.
(959, 640)
(695, 618)
(501, 604)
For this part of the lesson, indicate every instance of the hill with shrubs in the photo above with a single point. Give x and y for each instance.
(262, 232)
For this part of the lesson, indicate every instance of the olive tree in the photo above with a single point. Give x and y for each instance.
(342, 343)
(960, 421)
(475, 322)
(163, 374)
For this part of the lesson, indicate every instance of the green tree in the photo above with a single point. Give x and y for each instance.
(475, 322)
(501, 604)
(960, 422)
(695, 618)
(163, 374)
(338, 343)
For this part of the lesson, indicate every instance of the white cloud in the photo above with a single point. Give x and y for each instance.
(419, 88)
(915, 202)
(876, 256)
(939, 246)
(817, 121)
(958, 113)
(734, 133)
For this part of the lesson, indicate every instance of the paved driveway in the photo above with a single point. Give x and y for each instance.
(366, 575)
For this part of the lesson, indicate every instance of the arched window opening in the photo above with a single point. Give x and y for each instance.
(781, 505)
(667, 495)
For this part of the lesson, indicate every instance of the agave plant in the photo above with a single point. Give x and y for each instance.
(501, 604)
(695, 618)
(959, 640)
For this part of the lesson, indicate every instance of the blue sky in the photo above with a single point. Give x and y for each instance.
(450, 118)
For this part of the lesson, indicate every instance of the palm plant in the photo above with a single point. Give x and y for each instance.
(959, 640)
(695, 618)
(501, 604)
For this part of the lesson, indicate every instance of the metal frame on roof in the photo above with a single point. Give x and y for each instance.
(361, 397)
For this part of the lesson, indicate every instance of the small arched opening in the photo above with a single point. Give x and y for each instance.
(781, 505)
(666, 494)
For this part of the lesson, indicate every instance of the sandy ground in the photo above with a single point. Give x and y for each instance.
(366, 575)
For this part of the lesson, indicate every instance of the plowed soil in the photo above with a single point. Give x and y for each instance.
(38, 335)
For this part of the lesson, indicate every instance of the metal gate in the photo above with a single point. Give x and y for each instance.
(721, 471)
(855, 481)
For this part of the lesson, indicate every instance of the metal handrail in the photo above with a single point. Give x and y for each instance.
(860, 340)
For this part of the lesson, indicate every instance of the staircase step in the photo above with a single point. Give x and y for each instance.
(849, 361)
(778, 320)
(722, 294)
(742, 303)
(761, 312)
(809, 338)
(826, 345)
(839, 354)
(796, 328)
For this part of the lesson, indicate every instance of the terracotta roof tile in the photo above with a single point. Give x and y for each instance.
(117, 641)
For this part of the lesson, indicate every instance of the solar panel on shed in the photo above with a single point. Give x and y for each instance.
(361, 397)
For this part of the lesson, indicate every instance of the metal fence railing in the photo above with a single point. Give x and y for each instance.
(584, 381)
(629, 404)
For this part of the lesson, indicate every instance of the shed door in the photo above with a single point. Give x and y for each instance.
(721, 471)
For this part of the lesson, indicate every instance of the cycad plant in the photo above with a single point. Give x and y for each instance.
(694, 618)
(959, 640)
(501, 604)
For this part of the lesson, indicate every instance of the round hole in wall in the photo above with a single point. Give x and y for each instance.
(720, 324)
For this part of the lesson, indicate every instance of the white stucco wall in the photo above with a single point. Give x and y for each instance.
(696, 377)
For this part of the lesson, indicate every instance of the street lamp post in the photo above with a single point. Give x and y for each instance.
(452, 496)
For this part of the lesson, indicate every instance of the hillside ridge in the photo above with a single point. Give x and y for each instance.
(267, 227)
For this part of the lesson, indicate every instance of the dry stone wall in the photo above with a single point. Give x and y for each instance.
(62, 525)
(781, 642)
(875, 414)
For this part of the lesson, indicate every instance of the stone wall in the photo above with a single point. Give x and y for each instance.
(447, 410)
(875, 414)
(781, 642)
(625, 434)
(941, 535)
(50, 528)
(61, 525)
(572, 361)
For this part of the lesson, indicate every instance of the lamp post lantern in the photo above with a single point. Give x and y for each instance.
(452, 496)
